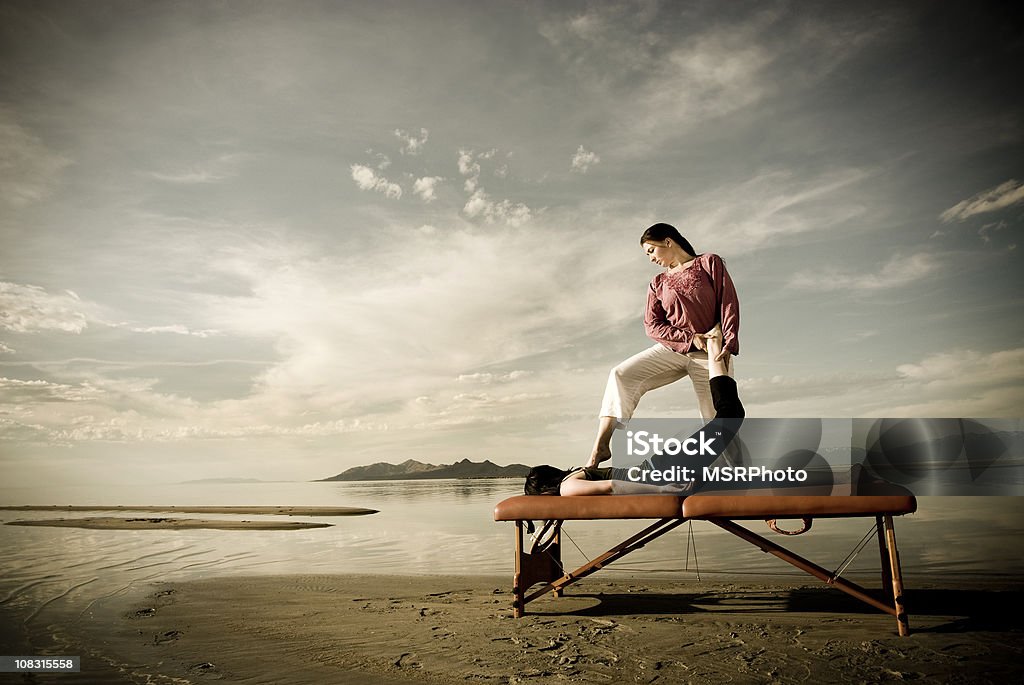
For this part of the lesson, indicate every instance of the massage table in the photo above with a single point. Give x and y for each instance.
(541, 561)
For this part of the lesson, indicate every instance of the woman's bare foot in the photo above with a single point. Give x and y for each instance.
(600, 453)
(602, 443)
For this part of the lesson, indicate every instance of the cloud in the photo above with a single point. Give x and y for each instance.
(956, 383)
(30, 170)
(778, 388)
(488, 378)
(770, 205)
(411, 144)
(4, 349)
(29, 308)
(680, 78)
(211, 171)
(426, 187)
(367, 179)
(383, 161)
(480, 205)
(898, 271)
(1004, 195)
(583, 160)
(994, 227)
(469, 168)
(176, 329)
(963, 383)
(15, 391)
(679, 73)
(962, 368)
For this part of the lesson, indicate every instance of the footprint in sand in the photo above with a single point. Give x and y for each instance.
(169, 636)
(205, 668)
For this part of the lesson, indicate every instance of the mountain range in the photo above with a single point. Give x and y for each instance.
(417, 470)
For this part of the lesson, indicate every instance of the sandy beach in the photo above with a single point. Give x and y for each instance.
(448, 629)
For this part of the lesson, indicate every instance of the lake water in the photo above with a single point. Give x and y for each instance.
(437, 527)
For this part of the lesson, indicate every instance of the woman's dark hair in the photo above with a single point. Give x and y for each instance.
(543, 480)
(659, 232)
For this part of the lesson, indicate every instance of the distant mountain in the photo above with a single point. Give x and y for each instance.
(415, 470)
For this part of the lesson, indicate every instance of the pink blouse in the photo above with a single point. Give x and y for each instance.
(690, 301)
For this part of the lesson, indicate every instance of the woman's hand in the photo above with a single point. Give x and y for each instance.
(699, 342)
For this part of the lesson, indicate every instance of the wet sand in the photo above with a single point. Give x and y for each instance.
(160, 523)
(450, 629)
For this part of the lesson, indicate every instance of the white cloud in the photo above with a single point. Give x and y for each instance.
(480, 205)
(211, 171)
(367, 179)
(488, 378)
(967, 367)
(991, 228)
(4, 349)
(898, 271)
(383, 161)
(583, 160)
(1004, 195)
(426, 187)
(963, 383)
(177, 329)
(411, 143)
(958, 383)
(29, 308)
(469, 168)
(29, 170)
(770, 205)
(15, 391)
(679, 75)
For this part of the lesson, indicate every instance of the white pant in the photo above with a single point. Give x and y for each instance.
(653, 368)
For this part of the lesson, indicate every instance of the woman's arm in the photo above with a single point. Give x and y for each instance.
(579, 486)
(728, 303)
(658, 328)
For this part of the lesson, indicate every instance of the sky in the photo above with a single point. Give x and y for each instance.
(277, 240)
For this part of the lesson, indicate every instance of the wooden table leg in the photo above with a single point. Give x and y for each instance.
(903, 623)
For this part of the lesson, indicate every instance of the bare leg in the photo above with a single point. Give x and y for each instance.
(602, 444)
(713, 339)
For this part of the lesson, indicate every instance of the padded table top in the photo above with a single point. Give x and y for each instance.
(544, 507)
(703, 506)
(795, 506)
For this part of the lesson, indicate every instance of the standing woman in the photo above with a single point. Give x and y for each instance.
(685, 302)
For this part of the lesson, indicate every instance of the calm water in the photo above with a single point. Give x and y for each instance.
(49, 576)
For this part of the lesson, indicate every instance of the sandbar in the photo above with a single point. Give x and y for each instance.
(162, 523)
(250, 510)
(459, 629)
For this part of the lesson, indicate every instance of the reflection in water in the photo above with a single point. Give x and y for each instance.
(467, 490)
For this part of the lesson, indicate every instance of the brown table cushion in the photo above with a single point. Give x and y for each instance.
(784, 506)
(544, 507)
